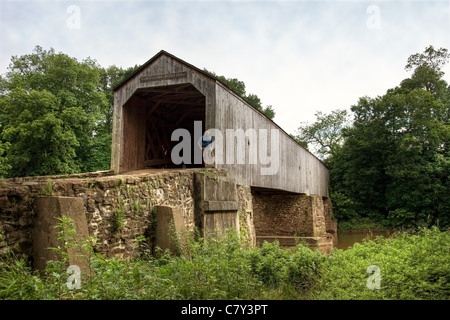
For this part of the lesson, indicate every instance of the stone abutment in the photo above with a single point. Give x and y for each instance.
(119, 211)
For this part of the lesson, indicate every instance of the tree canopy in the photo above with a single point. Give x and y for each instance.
(393, 161)
(326, 133)
(56, 114)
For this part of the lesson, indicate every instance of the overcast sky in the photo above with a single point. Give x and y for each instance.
(298, 56)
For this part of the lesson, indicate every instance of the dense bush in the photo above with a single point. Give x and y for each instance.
(411, 267)
(275, 266)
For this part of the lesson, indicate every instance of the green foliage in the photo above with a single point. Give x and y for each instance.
(118, 218)
(343, 207)
(4, 165)
(216, 269)
(364, 223)
(56, 114)
(412, 267)
(325, 135)
(41, 143)
(66, 236)
(275, 266)
(394, 162)
(431, 58)
(19, 282)
(136, 206)
(47, 190)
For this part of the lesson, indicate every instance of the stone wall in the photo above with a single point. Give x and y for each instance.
(118, 208)
(282, 215)
(130, 199)
(121, 208)
(289, 218)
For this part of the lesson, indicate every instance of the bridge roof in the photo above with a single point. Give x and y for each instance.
(156, 57)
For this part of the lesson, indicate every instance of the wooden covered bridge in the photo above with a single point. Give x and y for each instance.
(262, 182)
(289, 185)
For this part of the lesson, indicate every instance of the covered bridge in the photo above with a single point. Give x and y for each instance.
(167, 93)
(265, 183)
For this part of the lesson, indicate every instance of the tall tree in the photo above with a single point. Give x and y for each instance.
(51, 110)
(395, 159)
(325, 135)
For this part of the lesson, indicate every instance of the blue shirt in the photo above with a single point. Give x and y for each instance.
(206, 140)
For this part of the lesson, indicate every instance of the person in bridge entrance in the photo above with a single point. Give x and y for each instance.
(204, 143)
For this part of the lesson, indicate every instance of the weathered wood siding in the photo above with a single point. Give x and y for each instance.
(299, 171)
(133, 138)
(161, 65)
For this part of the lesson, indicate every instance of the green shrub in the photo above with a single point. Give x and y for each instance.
(214, 269)
(18, 282)
(276, 266)
(302, 267)
(268, 262)
(411, 267)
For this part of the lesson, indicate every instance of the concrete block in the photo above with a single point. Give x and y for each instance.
(165, 216)
(218, 222)
(221, 205)
(45, 234)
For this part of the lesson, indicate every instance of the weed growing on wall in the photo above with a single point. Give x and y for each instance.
(136, 206)
(118, 218)
(47, 190)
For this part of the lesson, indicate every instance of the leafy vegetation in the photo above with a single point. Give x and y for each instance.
(326, 133)
(411, 267)
(47, 190)
(118, 218)
(391, 164)
(56, 114)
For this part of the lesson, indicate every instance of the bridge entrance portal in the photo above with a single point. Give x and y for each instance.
(149, 118)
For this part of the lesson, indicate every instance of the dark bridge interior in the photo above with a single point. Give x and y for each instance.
(150, 117)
